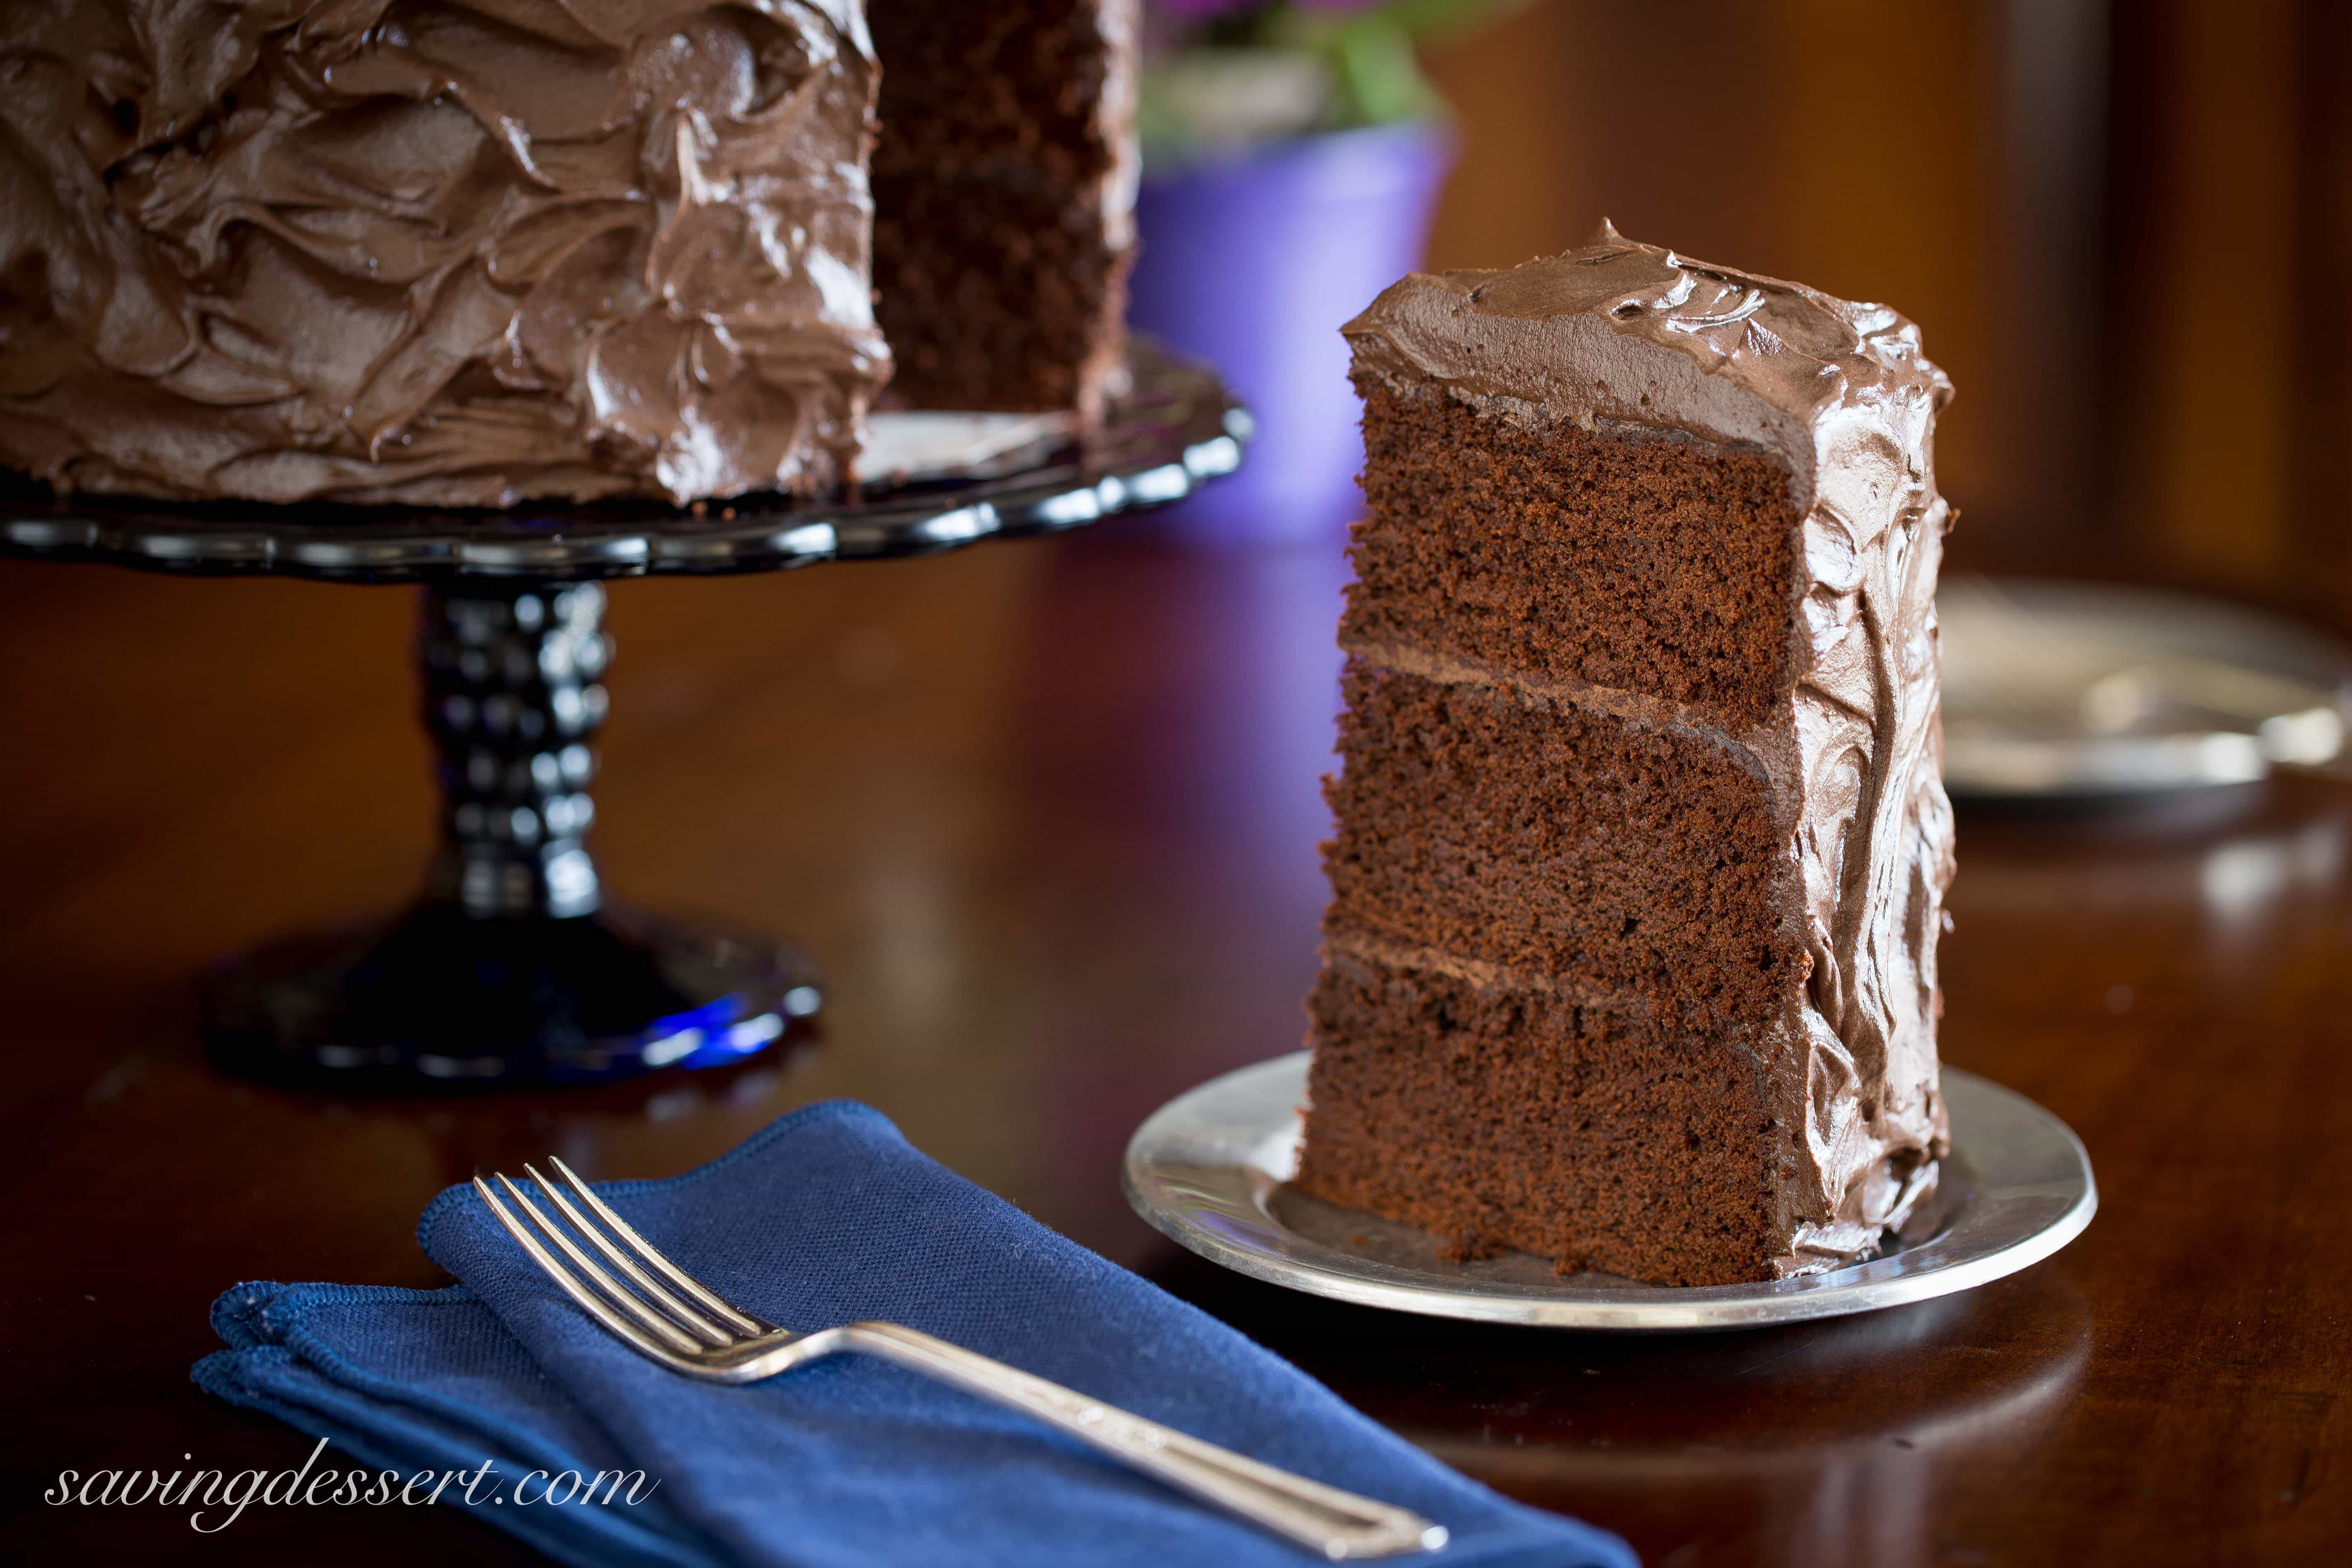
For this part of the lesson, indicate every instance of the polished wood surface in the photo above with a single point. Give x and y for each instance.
(1047, 813)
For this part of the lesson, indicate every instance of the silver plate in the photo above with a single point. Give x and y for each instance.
(1210, 1169)
(2058, 690)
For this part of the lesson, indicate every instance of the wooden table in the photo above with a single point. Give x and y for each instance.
(1048, 814)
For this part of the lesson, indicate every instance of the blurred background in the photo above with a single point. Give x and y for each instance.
(2121, 227)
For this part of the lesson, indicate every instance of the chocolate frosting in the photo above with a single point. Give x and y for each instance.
(1631, 337)
(450, 252)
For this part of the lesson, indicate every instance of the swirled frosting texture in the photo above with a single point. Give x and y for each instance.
(1623, 336)
(448, 252)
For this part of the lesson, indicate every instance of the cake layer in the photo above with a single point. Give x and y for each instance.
(1502, 1114)
(1631, 860)
(1642, 560)
(451, 252)
(1004, 191)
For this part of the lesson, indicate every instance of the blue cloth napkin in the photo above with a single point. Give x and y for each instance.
(825, 1217)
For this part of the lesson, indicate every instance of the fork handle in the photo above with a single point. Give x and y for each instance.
(1333, 1523)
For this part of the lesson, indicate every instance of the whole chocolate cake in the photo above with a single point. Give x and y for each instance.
(1642, 842)
(470, 252)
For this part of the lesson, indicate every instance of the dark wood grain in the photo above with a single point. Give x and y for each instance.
(1048, 814)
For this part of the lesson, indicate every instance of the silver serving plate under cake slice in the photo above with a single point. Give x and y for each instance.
(1211, 1169)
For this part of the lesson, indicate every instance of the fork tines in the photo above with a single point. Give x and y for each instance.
(674, 1311)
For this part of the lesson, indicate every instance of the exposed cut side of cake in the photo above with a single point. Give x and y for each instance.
(1004, 193)
(1642, 841)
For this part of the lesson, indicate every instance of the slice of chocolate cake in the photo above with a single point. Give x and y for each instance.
(1003, 200)
(1642, 842)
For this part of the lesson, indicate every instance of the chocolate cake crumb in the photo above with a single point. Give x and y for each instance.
(1001, 201)
(1631, 560)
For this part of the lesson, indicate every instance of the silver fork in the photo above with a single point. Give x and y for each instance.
(690, 1329)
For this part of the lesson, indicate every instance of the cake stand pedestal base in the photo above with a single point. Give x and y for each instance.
(437, 998)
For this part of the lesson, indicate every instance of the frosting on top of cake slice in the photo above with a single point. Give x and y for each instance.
(1752, 359)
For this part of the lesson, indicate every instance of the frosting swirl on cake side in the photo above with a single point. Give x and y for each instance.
(449, 252)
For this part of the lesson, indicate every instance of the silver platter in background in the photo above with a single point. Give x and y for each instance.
(1211, 1170)
(2057, 690)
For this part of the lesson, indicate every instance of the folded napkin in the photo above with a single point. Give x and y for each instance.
(826, 1217)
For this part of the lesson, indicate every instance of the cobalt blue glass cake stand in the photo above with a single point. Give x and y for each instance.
(513, 967)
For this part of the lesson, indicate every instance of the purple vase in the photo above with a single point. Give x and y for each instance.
(1253, 263)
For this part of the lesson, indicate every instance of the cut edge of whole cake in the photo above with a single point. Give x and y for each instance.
(1004, 184)
(1641, 839)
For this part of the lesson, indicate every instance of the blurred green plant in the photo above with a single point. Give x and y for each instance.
(1224, 74)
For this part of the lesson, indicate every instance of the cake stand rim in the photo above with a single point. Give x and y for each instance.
(1179, 427)
(1220, 1207)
